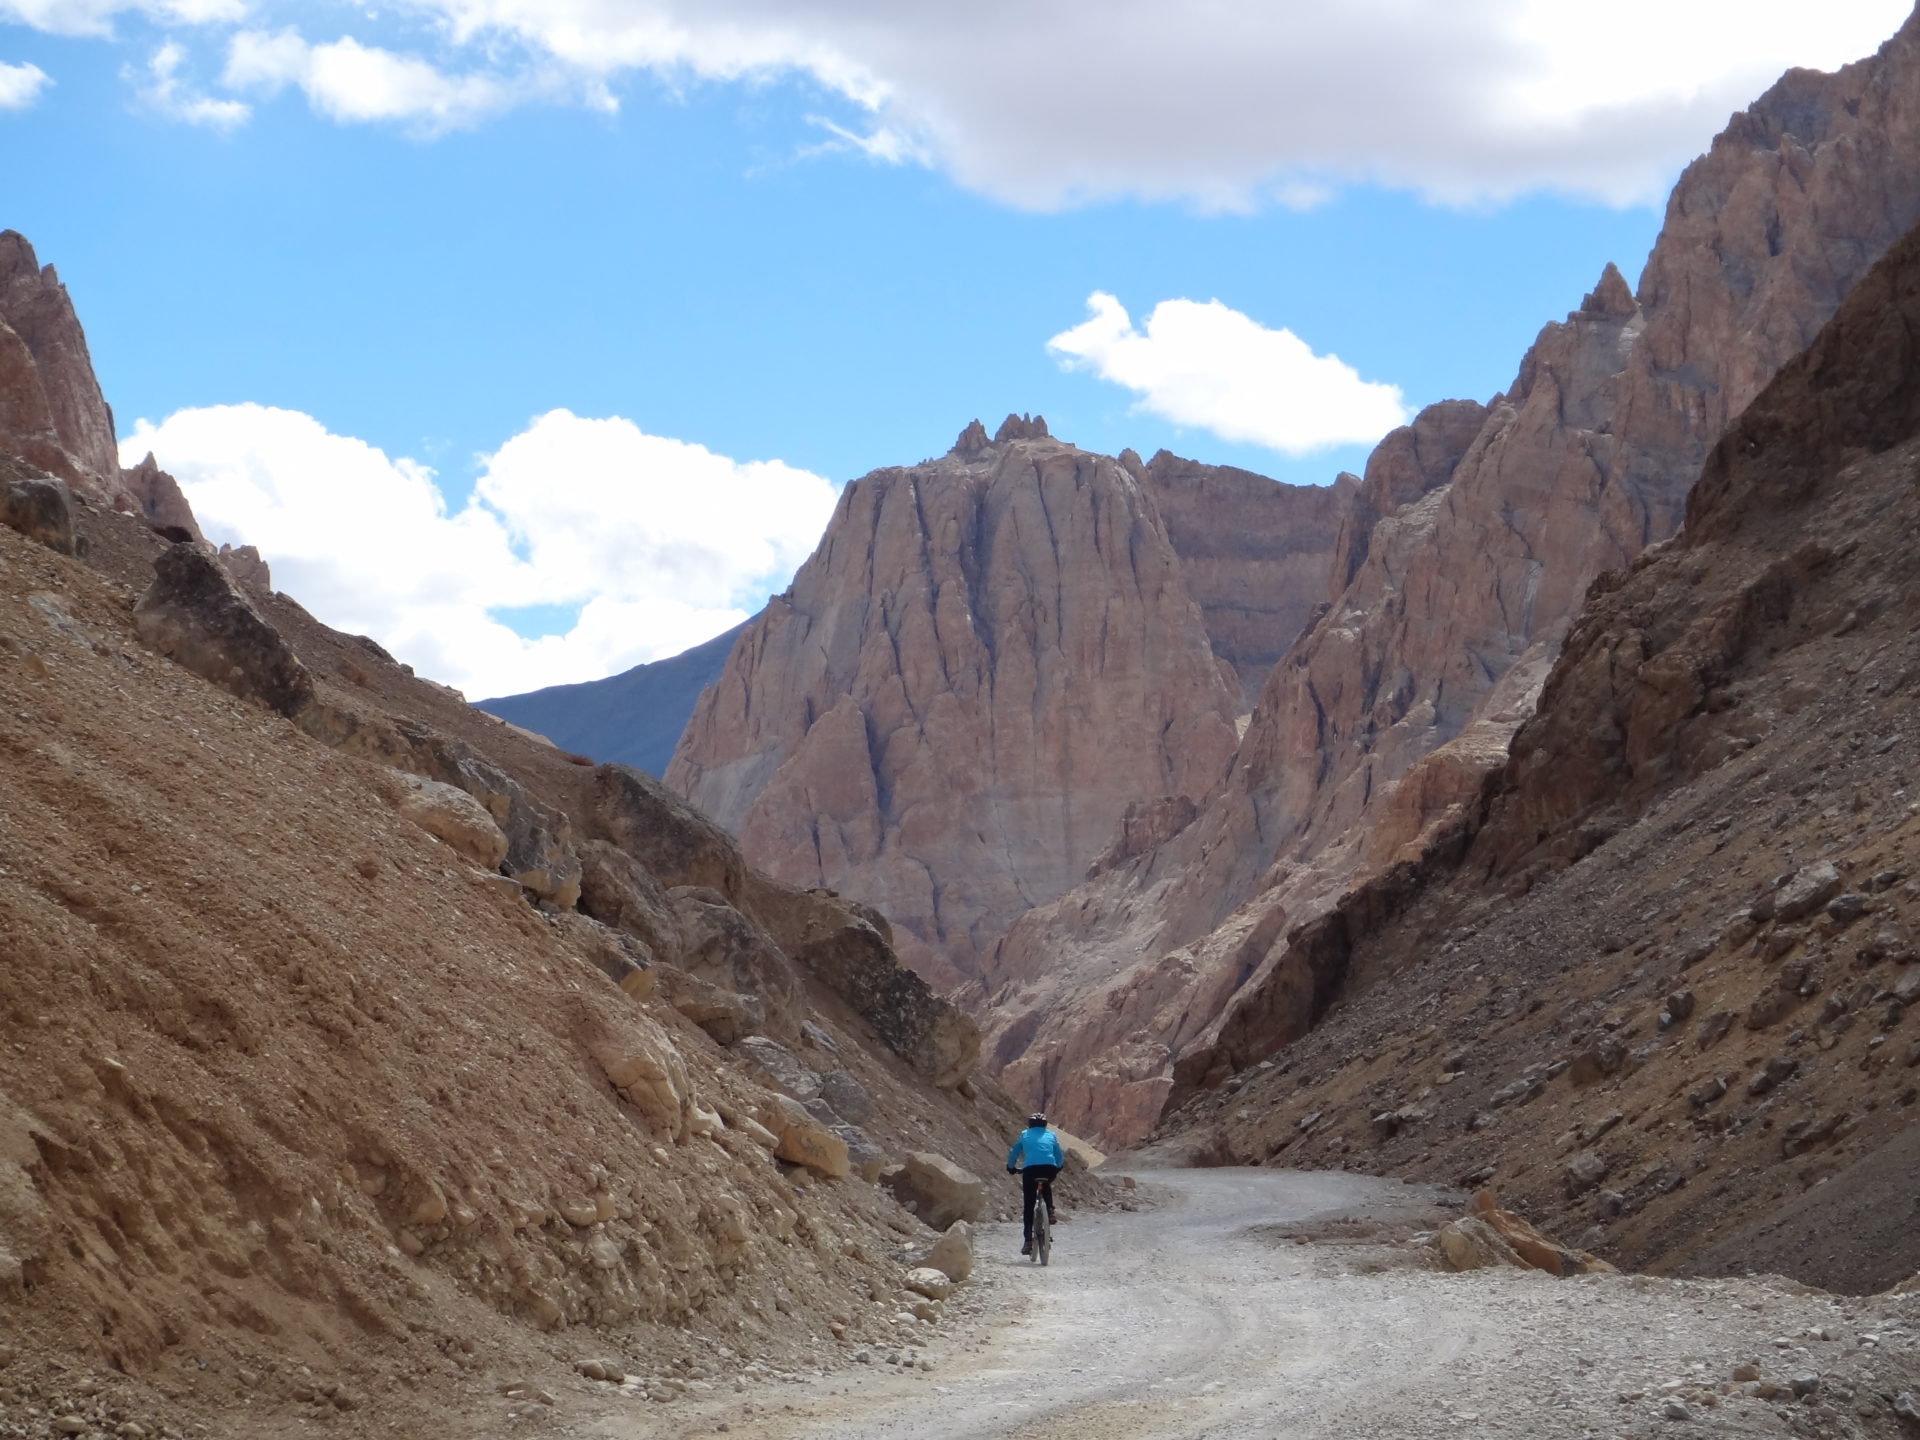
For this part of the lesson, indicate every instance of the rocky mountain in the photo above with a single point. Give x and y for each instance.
(360, 1052)
(989, 658)
(1253, 553)
(633, 718)
(52, 414)
(1652, 981)
(1471, 545)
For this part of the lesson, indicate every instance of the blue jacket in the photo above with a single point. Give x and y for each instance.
(1037, 1145)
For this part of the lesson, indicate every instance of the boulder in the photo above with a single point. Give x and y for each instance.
(1583, 1172)
(614, 954)
(618, 890)
(936, 1189)
(952, 1253)
(1811, 887)
(669, 837)
(1491, 1236)
(803, 1140)
(738, 1119)
(847, 1096)
(1470, 1243)
(649, 1074)
(1777, 1070)
(38, 505)
(864, 1156)
(726, 1015)
(197, 617)
(1597, 1062)
(449, 814)
(925, 1280)
(780, 1067)
(727, 948)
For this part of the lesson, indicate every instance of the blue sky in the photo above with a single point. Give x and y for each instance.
(298, 273)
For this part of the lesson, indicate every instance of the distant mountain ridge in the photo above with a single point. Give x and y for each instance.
(633, 718)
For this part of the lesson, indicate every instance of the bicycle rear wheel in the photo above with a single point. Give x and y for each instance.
(1042, 1229)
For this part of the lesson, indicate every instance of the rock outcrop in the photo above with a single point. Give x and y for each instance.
(985, 662)
(52, 414)
(37, 505)
(195, 615)
(940, 1192)
(1254, 553)
(1654, 979)
(1586, 459)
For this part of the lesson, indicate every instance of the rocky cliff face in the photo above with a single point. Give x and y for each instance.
(1654, 980)
(990, 656)
(1393, 704)
(52, 414)
(1253, 552)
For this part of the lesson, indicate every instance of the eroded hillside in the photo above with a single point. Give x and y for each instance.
(360, 1052)
(1653, 984)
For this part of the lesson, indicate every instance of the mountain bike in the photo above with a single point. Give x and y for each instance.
(1043, 1223)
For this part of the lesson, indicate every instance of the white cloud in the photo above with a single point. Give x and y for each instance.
(1212, 367)
(177, 99)
(351, 82)
(660, 543)
(1228, 104)
(1219, 103)
(20, 85)
(95, 17)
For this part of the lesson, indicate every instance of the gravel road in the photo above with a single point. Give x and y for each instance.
(1205, 1319)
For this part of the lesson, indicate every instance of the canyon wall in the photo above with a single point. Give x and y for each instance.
(1386, 716)
(1652, 984)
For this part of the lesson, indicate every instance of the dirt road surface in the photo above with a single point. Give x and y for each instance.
(1207, 1319)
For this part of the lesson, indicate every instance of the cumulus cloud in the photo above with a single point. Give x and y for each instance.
(1212, 367)
(20, 85)
(168, 93)
(1213, 102)
(351, 82)
(648, 544)
(1233, 105)
(95, 17)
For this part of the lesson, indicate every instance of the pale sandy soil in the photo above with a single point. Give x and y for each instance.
(1205, 1320)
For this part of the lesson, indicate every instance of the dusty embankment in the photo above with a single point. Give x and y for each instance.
(1261, 1303)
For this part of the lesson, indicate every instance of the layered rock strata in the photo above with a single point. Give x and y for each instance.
(990, 656)
(1584, 461)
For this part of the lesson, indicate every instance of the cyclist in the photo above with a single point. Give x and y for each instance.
(1039, 1149)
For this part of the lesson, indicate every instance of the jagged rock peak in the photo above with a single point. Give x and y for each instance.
(972, 440)
(16, 256)
(1610, 297)
(1021, 427)
(158, 499)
